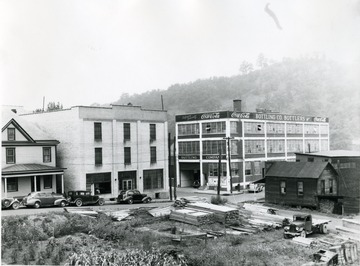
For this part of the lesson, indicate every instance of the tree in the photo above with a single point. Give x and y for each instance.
(262, 61)
(52, 106)
(246, 67)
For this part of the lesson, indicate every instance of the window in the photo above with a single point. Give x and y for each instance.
(47, 181)
(234, 169)
(46, 154)
(127, 155)
(127, 134)
(294, 128)
(11, 133)
(294, 145)
(310, 160)
(214, 167)
(300, 188)
(254, 146)
(257, 168)
(324, 129)
(322, 187)
(311, 145)
(253, 128)
(10, 155)
(98, 156)
(152, 154)
(275, 128)
(331, 186)
(324, 144)
(97, 131)
(275, 146)
(234, 147)
(212, 147)
(152, 132)
(311, 129)
(188, 129)
(12, 184)
(213, 127)
(233, 127)
(153, 179)
(283, 187)
(189, 147)
(247, 168)
(101, 182)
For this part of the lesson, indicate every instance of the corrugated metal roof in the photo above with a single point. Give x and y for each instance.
(29, 168)
(296, 169)
(334, 153)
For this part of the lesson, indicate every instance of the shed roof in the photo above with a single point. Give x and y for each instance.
(296, 169)
(333, 153)
(29, 169)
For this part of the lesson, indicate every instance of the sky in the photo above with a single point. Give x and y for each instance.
(79, 52)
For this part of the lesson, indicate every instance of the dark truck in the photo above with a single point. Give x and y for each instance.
(303, 225)
(83, 197)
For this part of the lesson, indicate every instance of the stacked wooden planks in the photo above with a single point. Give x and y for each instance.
(192, 216)
(221, 213)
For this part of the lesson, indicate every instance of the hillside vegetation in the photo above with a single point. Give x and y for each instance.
(307, 86)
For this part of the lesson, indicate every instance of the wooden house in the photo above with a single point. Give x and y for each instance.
(302, 184)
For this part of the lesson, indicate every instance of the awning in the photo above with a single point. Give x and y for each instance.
(30, 170)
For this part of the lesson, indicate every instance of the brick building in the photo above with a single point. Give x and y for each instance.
(254, 138)
(110, 148)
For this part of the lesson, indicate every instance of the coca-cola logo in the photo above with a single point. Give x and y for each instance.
(319, 119)
(210, 116)
(240, 115)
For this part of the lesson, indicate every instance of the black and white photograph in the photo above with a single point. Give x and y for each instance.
(180, 132)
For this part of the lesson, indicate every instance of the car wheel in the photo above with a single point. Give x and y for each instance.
(323, 229)
(101, 202)
(130, 201)
(62, 204)
(303, 234)
(286, 236)
(147, 200)
(78, 203)
(15, 205)
(37, 205)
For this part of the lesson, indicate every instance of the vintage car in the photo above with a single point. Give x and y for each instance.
(255, 187)
(83, 197)
(8, 203)
(132, 196)
(44, 199)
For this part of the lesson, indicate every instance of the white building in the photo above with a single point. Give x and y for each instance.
(253, 137)
(110, 148)
(28, 158)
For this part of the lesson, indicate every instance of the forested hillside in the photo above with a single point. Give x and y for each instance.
(307, 86)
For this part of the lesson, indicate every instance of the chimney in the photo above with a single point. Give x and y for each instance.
(237, 105)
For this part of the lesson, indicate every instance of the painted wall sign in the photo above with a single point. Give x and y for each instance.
(248, 115)
(189, 157)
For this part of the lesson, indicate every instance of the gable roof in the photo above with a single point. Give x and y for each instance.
(30, 130)
(296, 169)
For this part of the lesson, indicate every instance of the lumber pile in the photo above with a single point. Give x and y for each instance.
(82, 211)
(192, 216)
(221, 213)
(307, 242)
(161, 211)
(119, 215)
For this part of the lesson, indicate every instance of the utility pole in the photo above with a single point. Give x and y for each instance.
(169, 171)
(175, 183)
(229, 162)
(219, 173)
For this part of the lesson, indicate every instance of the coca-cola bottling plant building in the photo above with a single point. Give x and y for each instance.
(253, 138)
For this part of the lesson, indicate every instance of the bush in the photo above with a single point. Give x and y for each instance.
(218, 200)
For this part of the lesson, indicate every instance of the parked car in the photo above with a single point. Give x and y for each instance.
(255, 187)
(83, 197)
(42, 199)
(8, 203)
(132, 196)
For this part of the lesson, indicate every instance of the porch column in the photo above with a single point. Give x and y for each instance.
(62, 183)
(5, 187)
(35, 184)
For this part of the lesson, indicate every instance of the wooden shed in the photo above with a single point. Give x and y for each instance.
(302, 184)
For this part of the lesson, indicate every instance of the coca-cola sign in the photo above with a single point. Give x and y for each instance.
(210, 116)
(240, 115)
